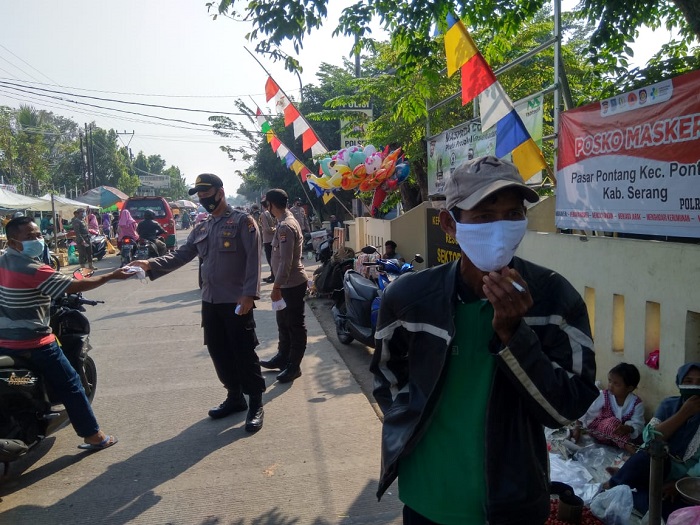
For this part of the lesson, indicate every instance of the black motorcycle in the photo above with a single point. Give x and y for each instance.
(127, 247)
(28, 412)
(99, 246)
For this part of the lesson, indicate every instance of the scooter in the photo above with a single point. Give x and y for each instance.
(356, 311)
(99, 246)
(127, 247)
(145, 249)
(27, 411)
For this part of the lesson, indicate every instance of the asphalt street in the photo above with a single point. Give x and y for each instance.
(315, 462)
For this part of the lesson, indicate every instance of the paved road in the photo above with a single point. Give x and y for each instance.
(316, 460)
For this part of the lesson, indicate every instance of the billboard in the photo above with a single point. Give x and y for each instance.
(631, 163)
(451, 148)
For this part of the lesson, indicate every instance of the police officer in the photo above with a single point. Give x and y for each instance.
(300, 215)
(290, 285)
(228, 243)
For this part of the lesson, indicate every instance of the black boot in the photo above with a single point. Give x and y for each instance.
(234, 403)
(254, 419)
(276, 363)
(289, 374)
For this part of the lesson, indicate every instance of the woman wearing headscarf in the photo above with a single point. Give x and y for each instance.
(127, 226)
(93, 225)
(677, 422)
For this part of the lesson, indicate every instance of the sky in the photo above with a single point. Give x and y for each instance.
(162, 52)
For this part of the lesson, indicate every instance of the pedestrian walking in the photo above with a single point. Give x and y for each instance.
(289, 285)
(473, 358)
(228, 245)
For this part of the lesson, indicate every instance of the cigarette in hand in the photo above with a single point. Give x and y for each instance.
(517, 286)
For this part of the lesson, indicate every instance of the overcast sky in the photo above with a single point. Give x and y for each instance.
(164, 52)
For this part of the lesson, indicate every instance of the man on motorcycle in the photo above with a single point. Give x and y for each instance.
(150, 230)
(27, 287)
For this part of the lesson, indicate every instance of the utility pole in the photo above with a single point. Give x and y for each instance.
(83, 164)
(92, 159)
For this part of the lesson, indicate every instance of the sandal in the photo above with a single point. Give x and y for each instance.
(105, 443)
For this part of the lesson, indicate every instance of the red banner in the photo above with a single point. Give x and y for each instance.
(631, 163)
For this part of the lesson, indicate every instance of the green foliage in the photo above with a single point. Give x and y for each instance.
(41, 152)
(411, 24)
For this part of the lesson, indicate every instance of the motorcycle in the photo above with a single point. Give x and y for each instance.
(127, 249)
(99, 246)
(145, 249)
(28, 413)
(356, 310)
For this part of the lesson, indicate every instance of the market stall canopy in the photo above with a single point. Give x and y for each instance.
(15, 201)
(64, 204)
(186, 204)
(102, 196)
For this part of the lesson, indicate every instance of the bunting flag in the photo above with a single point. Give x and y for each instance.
(495, 106)
(292, 116)
(282, 151)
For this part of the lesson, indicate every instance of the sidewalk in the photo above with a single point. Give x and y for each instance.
(316, 461)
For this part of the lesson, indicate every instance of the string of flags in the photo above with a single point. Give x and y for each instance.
(292, 116)
(496, 108)
(282, 151)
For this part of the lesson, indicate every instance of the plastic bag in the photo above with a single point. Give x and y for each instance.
(686, 516)
(614, 506)
(653, 360)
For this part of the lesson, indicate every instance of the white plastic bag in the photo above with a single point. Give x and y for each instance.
(614, 506)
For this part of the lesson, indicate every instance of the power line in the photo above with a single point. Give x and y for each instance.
(144, 104)
(25, 62)
(159, 95)
(105, 108)
(17, 67)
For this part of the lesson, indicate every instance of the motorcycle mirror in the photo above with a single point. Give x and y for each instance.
(82, 273)
(369, 250)
(418, 258)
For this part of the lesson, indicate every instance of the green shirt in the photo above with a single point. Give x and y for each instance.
(443, 478)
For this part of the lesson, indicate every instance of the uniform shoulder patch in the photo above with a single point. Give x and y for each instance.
(251, 224)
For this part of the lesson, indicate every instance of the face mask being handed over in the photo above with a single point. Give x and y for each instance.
(491, 245)
(33, 248)
(210, 203)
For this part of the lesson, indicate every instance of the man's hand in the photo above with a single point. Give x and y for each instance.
(622, 430)
(503, 290)
(141, 264)
(120, 273)
(246, 303)
(275, 294)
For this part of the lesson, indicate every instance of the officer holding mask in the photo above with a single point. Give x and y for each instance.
(228, 244)
(473, 358)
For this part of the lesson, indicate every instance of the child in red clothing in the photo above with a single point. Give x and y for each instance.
(617, 416)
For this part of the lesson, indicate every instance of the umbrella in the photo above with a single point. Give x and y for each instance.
(102, 196)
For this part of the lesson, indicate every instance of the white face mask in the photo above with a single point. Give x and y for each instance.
(491, 245)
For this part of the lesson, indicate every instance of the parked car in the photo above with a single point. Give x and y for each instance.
(164, 215)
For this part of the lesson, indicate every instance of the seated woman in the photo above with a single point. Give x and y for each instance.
(127, 227)
(678, 423)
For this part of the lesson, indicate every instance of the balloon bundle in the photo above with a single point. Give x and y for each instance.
(365, 169)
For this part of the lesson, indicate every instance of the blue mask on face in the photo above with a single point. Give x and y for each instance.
(33, 248)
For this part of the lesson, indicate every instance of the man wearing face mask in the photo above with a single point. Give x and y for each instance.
(82, 239)
(228, 245)
(473, 358)
(27, 287)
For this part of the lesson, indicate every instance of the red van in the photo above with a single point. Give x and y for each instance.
(164, 215)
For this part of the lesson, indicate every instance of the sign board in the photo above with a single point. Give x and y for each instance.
(155, 181)
(455, 146)
(354, 134)
(441, 247)
(631, 163)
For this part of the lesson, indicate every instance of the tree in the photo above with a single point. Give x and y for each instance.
(411, 24)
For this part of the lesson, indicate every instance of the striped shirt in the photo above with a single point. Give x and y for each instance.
(26, 289)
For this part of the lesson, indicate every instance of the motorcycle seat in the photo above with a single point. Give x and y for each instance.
(363, 287)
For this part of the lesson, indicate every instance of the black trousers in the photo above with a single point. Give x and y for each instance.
(231, 341)
(268, 256)
(291, 325)
(84, 254)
